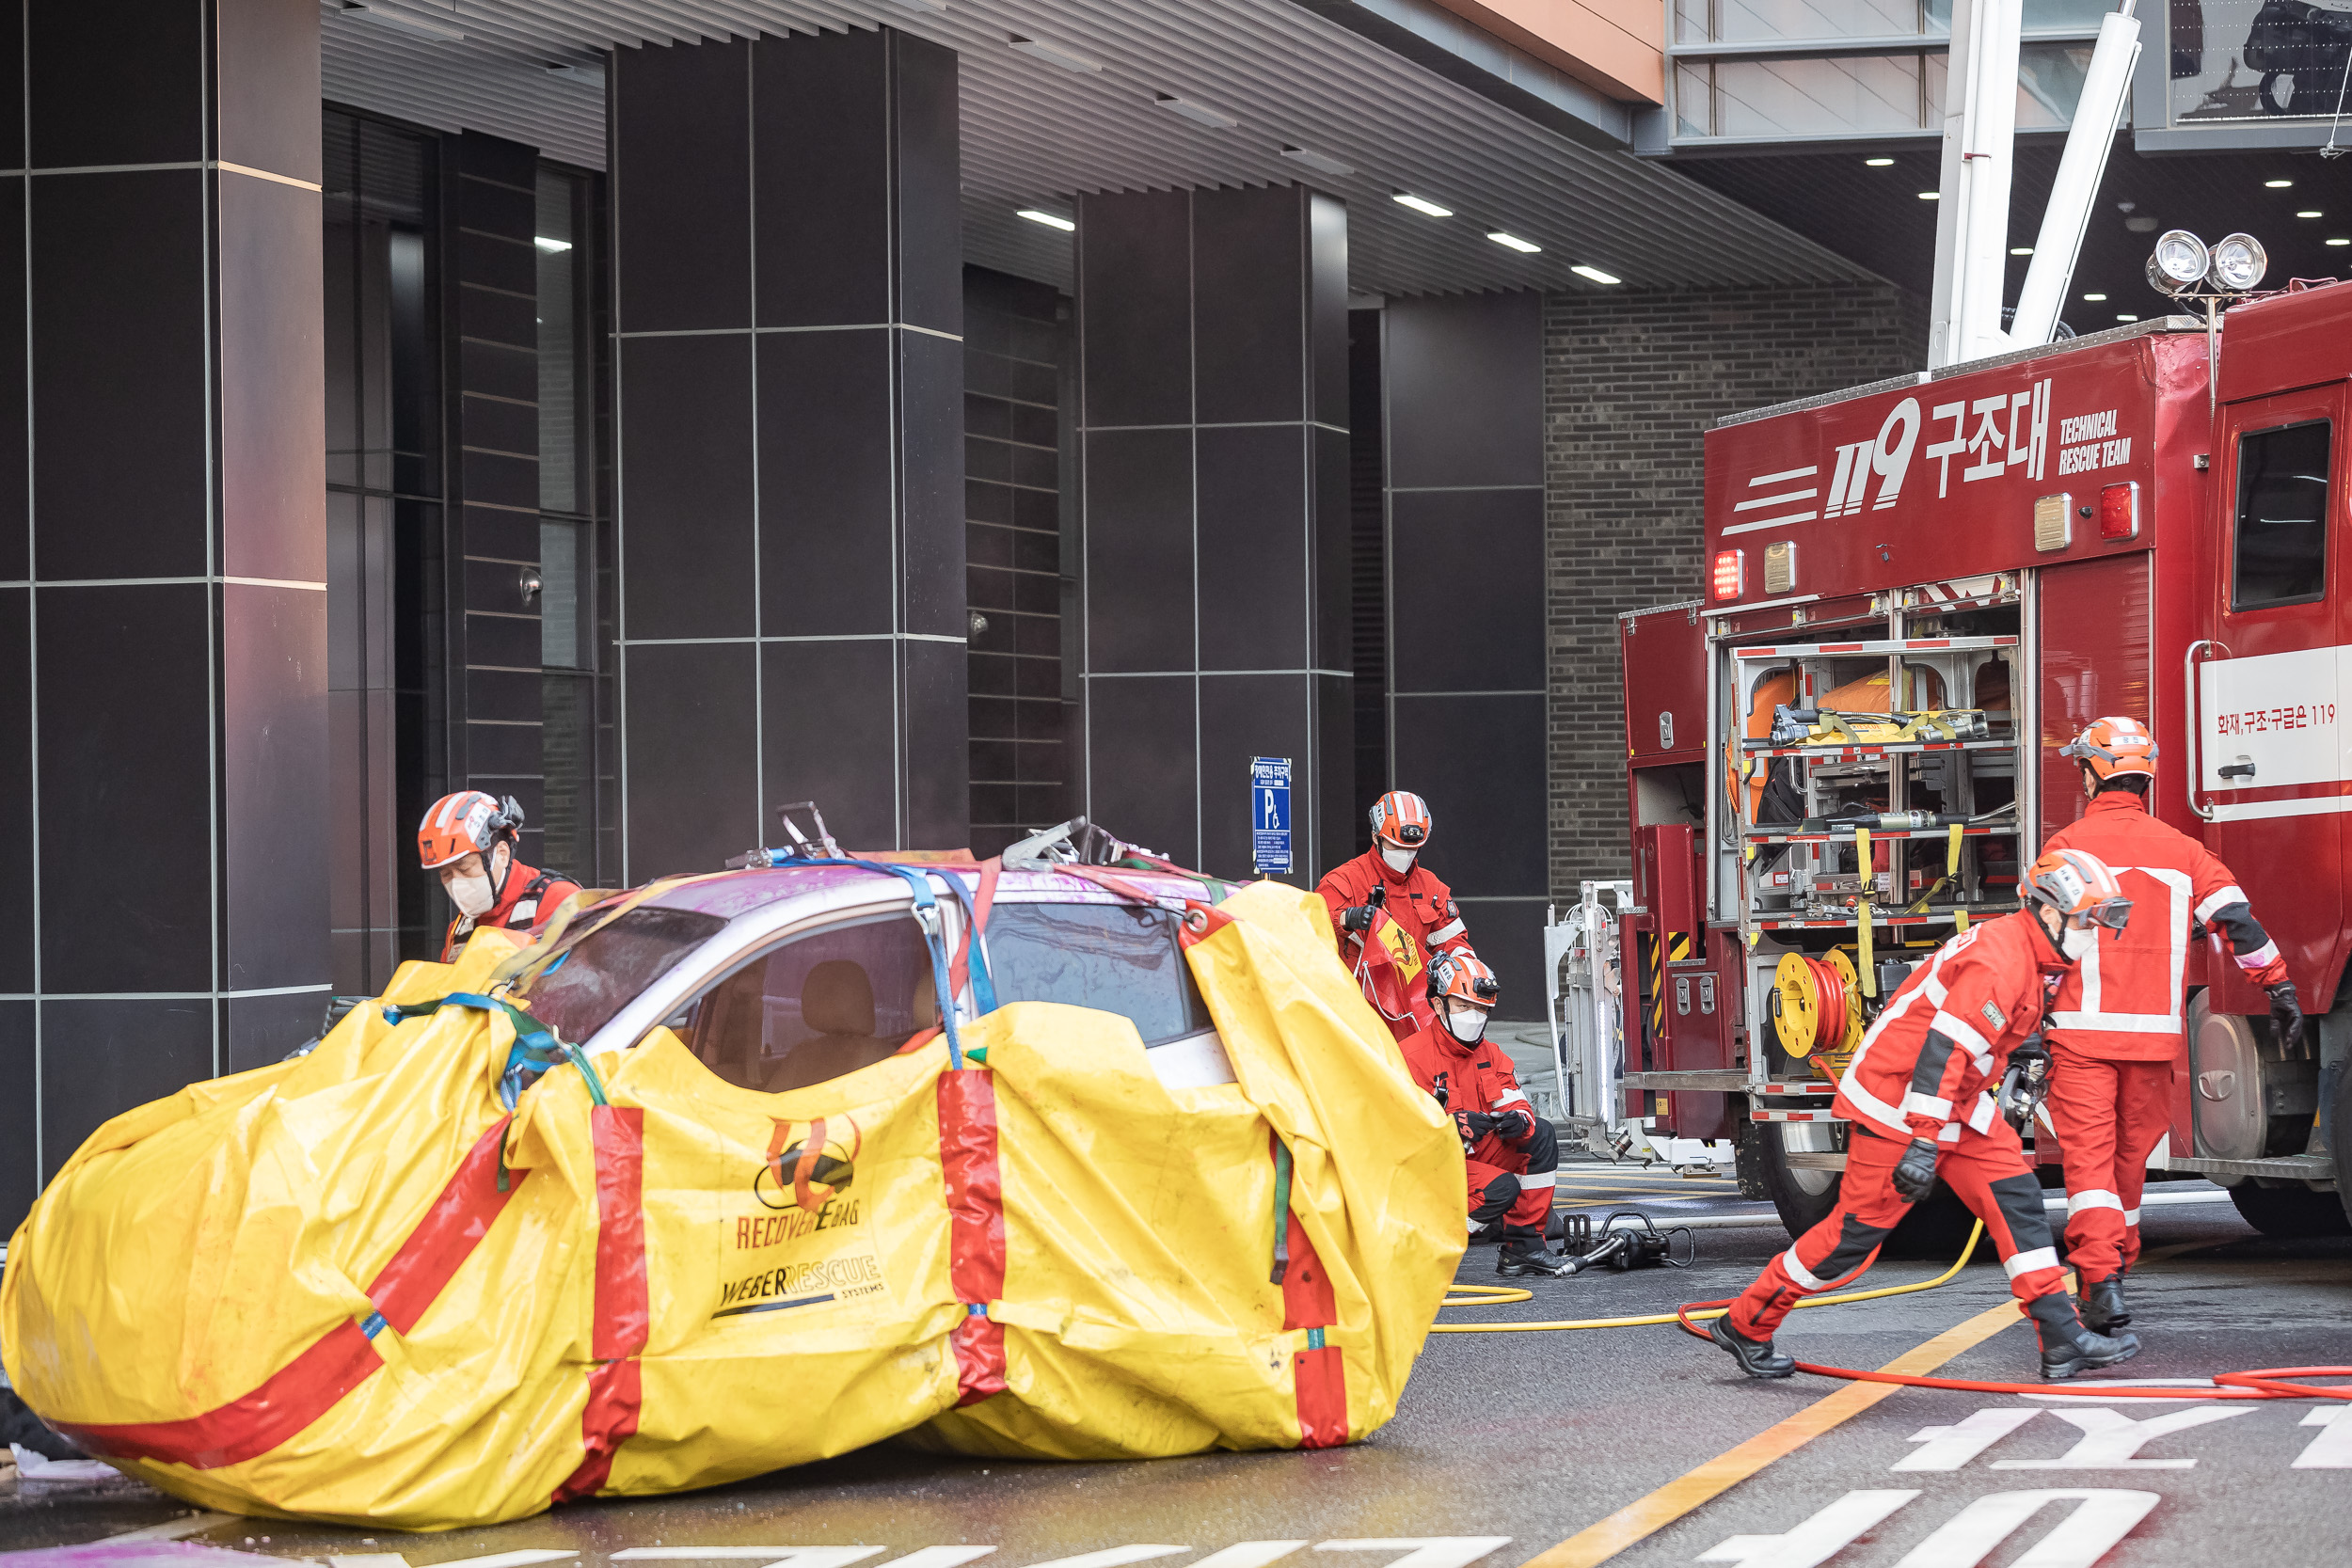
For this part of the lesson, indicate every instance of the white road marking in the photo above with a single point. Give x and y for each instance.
(2079, 1540)
(505, 1559)
(366, 1560)
(1428, 1551)
(1112, 1557)
(2110, 1440)
(2332, 1448)
(786, 1556)
(1817, 1540)
(1242, 1554)
(1952, 1447)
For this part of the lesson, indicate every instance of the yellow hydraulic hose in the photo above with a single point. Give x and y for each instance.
(1497, 1295)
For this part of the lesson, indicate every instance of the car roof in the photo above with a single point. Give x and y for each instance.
(730, 894)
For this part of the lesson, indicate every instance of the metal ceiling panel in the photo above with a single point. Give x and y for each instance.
(1036, 133)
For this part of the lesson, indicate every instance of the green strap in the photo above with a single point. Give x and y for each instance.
(1282, 1209)
(535, 1050)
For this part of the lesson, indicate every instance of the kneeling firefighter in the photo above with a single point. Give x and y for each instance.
(468, 837)
(1511, 1152)
(1916, 1096)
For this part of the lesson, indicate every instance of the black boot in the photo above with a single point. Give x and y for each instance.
(2103, 1307)
(2068, 1347)
(1524, 1253)
(1756, 1357)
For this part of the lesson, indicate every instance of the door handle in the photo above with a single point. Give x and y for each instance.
(2192, 722)
(2236, 770)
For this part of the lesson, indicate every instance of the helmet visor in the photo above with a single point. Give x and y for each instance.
(2113, 913)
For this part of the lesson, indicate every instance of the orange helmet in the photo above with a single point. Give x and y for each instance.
(1463, 975)
(1402, 819)
(468, 822)
(2113, 747)
(2080, 887)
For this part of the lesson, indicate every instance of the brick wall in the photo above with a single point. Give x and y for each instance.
(1631, 384)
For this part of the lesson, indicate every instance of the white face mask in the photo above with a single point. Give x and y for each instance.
(1398, 861)
(472, 894)
(2077, 942)
(1467, 1023)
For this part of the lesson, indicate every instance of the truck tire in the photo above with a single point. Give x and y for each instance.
(2292, 1210)
(2340, 1128)
(1802, 1198)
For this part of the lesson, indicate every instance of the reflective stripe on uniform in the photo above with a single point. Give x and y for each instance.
(1980, 1115)
(1516, 1097)
(1958, 1029)
(2120, 1023)
(2026, 1262)
(1541, 1183)
(1798, 1272)
(2131, 1217)
(2259, 958)
(2220, 901)
(1915, 1103)
(1446, 932)
(2093, 1197)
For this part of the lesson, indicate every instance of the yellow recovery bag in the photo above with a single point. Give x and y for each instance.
(356, 1287)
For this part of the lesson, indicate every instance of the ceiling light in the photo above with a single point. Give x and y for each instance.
(1055, 53)
(2096, 299)
(1931, 195)
(2021, 251)
(2124, 318)
(551, 246)
(2340, 242)
(1051, 220)
(2278, 184)
(1316, 161)
(439, 31)
(1198, 114)
(1428, 208)
(1511, 241)
(2307, 212)
(1594, 275)
(1878, 163)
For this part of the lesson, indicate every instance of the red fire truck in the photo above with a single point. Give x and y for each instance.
(1917, 590)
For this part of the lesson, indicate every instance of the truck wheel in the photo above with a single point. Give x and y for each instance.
(1802, 1196)
(2340, 1126)
(2291, 1211)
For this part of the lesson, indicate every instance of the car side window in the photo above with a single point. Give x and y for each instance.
(1116, 957)
(2279, 554)
(815, 1006)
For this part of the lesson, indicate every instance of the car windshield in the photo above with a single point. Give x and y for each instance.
(612, 966)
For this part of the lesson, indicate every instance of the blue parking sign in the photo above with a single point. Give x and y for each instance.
(1270, 814)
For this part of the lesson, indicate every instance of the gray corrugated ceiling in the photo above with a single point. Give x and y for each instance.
(1035, 133)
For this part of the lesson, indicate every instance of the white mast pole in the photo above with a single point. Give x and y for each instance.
(1972, 219)
(2081, 168)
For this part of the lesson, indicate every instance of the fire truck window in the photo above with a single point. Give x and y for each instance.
(2280, 554)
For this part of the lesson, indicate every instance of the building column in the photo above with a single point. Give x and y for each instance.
(163, 613)
(1463, 380)
(789, 255)
(1213, 423)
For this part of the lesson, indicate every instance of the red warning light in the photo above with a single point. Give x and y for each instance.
(2119, 512)
(1731, 573)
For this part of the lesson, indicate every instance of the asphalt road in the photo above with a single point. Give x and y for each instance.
(1516, 1449)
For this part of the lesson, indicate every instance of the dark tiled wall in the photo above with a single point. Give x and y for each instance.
(1015, 351)
(163, 624)
(1631, 382)
(1463, 379)
(790, 529)
(1214, 565)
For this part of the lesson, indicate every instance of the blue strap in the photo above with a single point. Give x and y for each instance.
(536, 1049)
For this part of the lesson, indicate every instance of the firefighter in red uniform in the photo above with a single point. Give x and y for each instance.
(1390, 876)
(468, 837)
(2117, 1036)
(1916, 1096)
(1511, 1152)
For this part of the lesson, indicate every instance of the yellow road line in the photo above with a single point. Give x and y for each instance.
(1639, 1520)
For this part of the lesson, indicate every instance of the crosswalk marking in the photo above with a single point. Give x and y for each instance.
(2100, 1521)
(2110, 1438)
(1818, 1538)
(1429, 1551)
(1949, 1448)
(2332, 1448)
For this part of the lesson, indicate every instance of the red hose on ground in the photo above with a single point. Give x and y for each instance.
(2262, 1382)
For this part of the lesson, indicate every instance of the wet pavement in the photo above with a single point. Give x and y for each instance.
(1561, 1449)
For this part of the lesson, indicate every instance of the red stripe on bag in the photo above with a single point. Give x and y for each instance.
(615, 1394)
(312, 1383)
(617, 1386)
(1318, 1373)
(975, 1228)
(621, 1312)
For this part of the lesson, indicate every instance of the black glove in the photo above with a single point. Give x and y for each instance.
(2286, 1014)
(1515, 1124)
(1474, 1125)
(1915, 1172)
(1357, 918)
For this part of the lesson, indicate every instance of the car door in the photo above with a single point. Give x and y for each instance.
(1116, 957)
(2270, 774)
